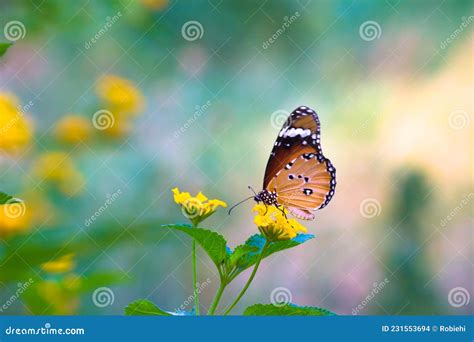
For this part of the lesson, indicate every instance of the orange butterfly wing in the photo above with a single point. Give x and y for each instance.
(299, 134)
(297, 170)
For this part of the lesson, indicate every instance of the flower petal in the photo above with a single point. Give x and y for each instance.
(215, 203)
(201, 197)
(180, 197)
(197, 208)
(274, 225)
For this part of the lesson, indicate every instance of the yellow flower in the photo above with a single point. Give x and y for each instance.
(14, 218)
(15, 132)
(34, 210)
(62, 299)
(73, 129)
(63, 264)
(58, 169)
(197, 208)
(273, 224)
(61, 291)
(120, 95)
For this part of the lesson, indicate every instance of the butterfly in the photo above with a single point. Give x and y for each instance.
(298, 177)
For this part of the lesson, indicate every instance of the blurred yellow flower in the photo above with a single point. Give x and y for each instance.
(61, 292)
(15, 132)
(155, 5)
(273, 224)
(73, 129)
(14, 219)
(121, 96)
(197, 208)
(61, 297)
(63, 264)
(58, 169)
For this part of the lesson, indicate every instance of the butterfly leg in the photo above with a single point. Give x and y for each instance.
(266, 209)
(281, 208)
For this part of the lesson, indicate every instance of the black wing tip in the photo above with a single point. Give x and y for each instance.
(305, 109)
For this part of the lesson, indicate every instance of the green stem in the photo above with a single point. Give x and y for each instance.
(196, 294)
(217, 298)
(255, 268)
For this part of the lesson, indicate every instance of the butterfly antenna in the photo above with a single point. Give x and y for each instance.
(235, 205)
(252, 190)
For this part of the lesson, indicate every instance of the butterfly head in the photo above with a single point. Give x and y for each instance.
(267, 197)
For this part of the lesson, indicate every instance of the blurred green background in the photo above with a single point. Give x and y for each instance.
(197, 91)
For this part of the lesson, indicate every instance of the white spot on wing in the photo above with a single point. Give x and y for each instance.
(293, 132)
(282, 132)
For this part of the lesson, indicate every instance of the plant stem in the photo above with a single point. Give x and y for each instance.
(255, 268)
(217, 298)
(195, 290)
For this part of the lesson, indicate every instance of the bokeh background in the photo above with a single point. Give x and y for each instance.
(106, 106)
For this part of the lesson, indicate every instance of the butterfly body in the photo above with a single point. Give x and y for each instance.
(298, 176)
(267, 197)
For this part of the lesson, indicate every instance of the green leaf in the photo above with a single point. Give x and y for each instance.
(257, 241)
(144, 307)
(285, 310)
(4, 47)
(213, 243)
(239, 254)
(7, 199)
